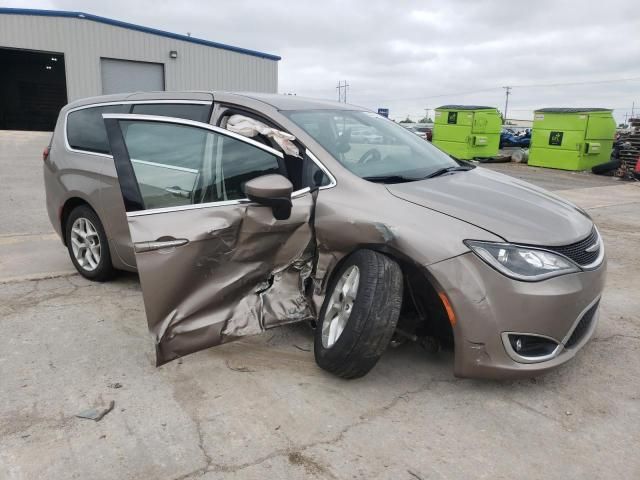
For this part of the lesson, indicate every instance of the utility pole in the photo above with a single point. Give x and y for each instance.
(507, 91)
(426, 111)
(633, 107)
(342, 94)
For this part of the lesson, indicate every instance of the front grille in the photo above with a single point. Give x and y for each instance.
(583, 326)
(577, 251)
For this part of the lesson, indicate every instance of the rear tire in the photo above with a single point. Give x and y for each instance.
(87, 244)
(350, 345)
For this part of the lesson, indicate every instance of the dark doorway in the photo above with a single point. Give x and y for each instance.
(33, 89)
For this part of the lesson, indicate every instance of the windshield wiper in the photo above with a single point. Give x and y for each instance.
(391, 179)
(403, 179)
(442, 171)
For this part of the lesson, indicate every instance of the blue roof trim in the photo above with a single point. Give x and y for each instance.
(132, 26)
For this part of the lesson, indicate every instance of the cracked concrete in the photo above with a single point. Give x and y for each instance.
(260, 408)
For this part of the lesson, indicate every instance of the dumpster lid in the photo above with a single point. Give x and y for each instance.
(572, 110)
(465, 107)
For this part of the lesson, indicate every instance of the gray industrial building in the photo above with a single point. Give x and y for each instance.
(49, 58)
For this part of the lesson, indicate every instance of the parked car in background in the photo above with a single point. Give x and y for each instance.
(243, 212)
(365, 135)
(423, 131)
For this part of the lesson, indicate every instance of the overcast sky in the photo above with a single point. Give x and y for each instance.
(412, 55)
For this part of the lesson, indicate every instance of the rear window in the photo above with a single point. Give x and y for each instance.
(85, 127)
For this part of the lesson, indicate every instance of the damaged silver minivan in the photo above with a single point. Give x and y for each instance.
(243, 212)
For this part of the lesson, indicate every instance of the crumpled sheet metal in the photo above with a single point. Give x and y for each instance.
(246, 273)
(332, 248)
(250, 127)
(342, 225)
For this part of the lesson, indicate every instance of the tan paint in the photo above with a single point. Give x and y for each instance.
(240, 273)
(243, 272)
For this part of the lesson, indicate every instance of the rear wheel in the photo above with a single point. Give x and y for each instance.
(87, 244)
(359, 314)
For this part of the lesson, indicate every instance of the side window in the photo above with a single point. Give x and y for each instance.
(239, 162)
(167, 160)
(198, 113)
(302, 172)
(314, 176)
(178, 165)
(85, 128)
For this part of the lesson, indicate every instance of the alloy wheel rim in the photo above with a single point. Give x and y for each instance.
(85, 244)
(340, 306)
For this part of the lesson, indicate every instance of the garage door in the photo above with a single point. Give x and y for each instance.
(32, 89)
(123, 76)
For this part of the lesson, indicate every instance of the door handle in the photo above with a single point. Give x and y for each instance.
(178, 192)
(159, 245)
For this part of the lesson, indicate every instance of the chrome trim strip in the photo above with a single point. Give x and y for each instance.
(162, 165)
(123, 102)
(192, 123)
(135, 102)
(561, 346)
(515, 356)
(300, 193)
(320, 165)
(598, 261)
(575, 324)
(224, 203)
(153, 211)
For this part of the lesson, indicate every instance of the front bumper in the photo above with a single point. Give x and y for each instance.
(488, 305)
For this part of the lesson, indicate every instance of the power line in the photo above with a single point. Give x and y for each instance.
(438, 96)
(531, 85)
(568, 84)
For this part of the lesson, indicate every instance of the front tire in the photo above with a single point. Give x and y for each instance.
(359, 314)
(87, 244)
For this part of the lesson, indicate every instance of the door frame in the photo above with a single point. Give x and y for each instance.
(190, 310)
(131, 195)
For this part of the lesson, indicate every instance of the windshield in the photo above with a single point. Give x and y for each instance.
(372, 146)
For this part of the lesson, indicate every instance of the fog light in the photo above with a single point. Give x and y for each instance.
(532, 346)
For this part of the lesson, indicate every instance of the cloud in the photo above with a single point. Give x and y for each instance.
(391, 51)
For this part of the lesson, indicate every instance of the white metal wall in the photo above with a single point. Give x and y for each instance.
(83, 42)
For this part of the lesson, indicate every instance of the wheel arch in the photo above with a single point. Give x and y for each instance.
(68, 206)
(422, 290)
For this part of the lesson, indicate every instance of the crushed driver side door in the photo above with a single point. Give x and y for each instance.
(213, 265)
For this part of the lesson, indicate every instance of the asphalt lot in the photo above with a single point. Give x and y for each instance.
(260, 408)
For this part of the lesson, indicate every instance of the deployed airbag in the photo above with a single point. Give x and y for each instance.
(250, 127)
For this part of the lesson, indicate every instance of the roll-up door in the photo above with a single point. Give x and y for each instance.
(124, 76)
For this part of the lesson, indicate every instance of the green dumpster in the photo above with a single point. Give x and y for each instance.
(571, 138)
(467, 131)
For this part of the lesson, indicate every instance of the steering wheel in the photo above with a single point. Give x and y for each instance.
(371, 155)
(343, 142)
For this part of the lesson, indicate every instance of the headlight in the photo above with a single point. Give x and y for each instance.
(522, 263)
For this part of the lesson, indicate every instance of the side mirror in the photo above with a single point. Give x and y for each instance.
(272, 191)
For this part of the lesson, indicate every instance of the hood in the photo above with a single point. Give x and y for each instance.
(512, 209)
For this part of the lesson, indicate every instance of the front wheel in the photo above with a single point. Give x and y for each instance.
(87, 244)
(359, 314)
